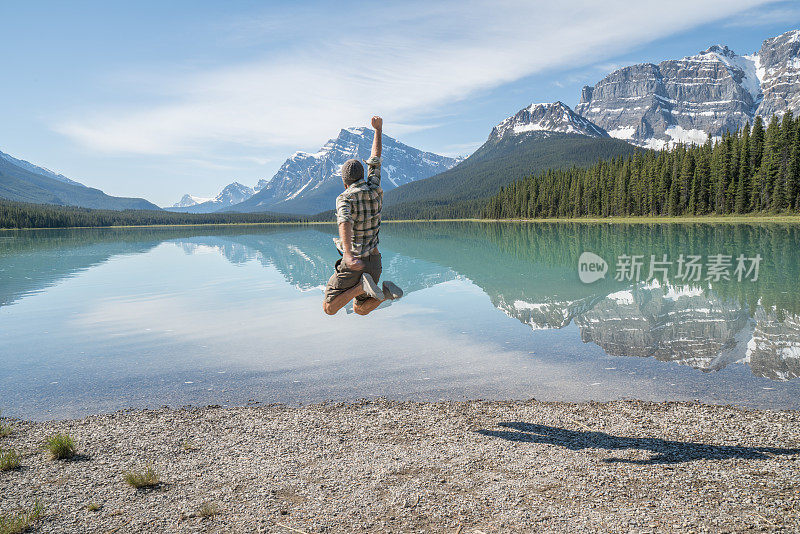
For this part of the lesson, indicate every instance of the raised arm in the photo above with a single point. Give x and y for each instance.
(377, 123)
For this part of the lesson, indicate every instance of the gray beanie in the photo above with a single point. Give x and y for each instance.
(352, 171)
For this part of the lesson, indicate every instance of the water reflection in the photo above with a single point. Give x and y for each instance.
(529, 271)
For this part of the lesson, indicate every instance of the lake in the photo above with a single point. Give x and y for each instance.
(96, 320)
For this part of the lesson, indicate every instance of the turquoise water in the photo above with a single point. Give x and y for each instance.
(99, 320)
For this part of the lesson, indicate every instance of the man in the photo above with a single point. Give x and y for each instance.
(358, 213)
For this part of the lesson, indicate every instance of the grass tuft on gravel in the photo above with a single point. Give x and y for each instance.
(61, 446)
(189, 445)
(93, 507)
(142, 479)
(9, 460)
(208, 509)
(5, 430)
(21, 521)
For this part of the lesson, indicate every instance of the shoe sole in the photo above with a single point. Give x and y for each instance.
(392, 289)
(370, 287)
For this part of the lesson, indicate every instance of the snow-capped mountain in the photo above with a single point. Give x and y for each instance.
(30, 167)
(231, 195)
(190, 200)
(686, 99)
(555, 117)
(309, 182)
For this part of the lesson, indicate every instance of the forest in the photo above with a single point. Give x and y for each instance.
(751, 170)
(26, 215)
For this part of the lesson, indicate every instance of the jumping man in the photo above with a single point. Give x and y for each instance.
(358, 213)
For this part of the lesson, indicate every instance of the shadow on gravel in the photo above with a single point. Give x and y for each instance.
(666, 452)
(77, 458)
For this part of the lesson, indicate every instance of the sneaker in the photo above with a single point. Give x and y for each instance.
(392, 291)
(370, 287)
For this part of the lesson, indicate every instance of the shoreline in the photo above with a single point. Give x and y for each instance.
(392, 466)
(681, 219)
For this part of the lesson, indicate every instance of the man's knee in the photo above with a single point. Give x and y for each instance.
(327, 308)
(360, 309)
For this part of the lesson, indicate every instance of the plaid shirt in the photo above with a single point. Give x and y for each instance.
(361, 204)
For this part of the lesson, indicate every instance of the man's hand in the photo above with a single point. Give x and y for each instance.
(352, 263)
(377, 140)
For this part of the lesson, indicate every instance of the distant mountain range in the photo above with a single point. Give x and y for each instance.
(231, 195)
(308, 183)
(647, 105)
(22, 181)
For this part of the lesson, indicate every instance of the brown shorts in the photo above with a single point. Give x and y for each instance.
(343, 279)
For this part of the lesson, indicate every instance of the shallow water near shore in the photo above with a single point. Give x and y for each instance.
(98, 320)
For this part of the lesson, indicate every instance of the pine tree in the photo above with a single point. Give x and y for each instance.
(794, 171)
(702, 174)
(743, 183)
(771, 167)
(685, 181)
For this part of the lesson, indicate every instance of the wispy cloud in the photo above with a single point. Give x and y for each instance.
(322, 70)
(461, 149)
(779, 14)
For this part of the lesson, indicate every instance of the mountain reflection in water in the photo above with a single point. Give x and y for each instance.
(529, 271)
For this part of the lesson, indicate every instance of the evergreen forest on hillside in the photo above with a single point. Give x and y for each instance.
(463, 190)
(752, 170)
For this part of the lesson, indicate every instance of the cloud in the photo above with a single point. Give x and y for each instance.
(779, 14)
(327, 69)
(461, 149)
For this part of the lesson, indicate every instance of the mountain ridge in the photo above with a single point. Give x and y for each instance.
(658, 105)
(308, 183)
(26, 182)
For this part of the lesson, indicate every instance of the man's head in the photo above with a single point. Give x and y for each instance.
(352, 171)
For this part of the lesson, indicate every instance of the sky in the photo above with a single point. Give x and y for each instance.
(157, 99)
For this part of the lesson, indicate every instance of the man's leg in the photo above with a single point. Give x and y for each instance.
(363, 307)
(373, 265)
(339, 301)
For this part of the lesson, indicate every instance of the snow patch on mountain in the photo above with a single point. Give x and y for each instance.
(678, 134)
(623, 132)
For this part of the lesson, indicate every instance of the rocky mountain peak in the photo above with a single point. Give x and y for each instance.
(719, 49)
(779, 74)
(189, 200)
(685, 100)
(547, 117)
(234, 193)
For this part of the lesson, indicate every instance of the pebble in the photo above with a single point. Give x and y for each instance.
(386, 466)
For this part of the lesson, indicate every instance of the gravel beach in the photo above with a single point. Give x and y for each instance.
(384, 466)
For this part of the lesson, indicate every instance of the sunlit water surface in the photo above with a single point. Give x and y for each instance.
(99, 320)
